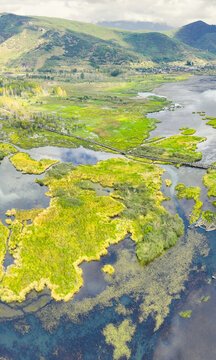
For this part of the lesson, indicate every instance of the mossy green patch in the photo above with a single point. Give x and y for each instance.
(23, 162)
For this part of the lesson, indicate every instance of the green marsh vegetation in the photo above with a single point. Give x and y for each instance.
(194, 194)
(4, 234)
(209, 180)
(6, 149)
(177, 147)
(79, 226)
(23, 162)
(211, 121)
(162, 285)
(108, 112)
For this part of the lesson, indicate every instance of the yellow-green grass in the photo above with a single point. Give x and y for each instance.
(186, 314)
(188, 132)
(168, 182)
(109, 269)
(119, 337)
(123, 126)
(6, 149)
(4, 233)
(23, 162)
(194, 194)
(209, 217)
(79, 226)
(209, 181)
(211, 121)
(177, 147)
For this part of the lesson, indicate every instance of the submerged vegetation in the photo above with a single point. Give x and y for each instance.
(119, 336)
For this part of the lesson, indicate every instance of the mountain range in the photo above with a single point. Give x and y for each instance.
(46, 44)
(135, 25)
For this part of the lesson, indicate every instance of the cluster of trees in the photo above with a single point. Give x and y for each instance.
(19, 89)
(58, 91)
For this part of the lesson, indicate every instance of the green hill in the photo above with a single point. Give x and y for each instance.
(198, 35)
(46, 44)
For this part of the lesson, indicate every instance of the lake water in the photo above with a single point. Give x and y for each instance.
(150, 296)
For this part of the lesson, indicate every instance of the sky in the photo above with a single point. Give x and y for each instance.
(173, 12)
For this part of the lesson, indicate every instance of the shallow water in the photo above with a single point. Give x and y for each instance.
(41, 329)
(196, 94)
(78, 156)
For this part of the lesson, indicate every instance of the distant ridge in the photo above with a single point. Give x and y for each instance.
(199, 35)
(135, 25)
(48, 44)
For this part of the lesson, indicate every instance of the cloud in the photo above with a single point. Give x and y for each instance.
(173, 12)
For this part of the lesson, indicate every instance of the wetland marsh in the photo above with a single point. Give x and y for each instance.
(139, 303)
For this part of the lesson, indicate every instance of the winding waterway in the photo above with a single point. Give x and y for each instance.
(41, 329)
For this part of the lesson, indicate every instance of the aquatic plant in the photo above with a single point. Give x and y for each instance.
(119, 336)
(186, 314)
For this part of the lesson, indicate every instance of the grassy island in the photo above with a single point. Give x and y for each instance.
(23, 162)
(188, 131)
(109, 269)
(211, 121)
(79, 226)
(168, 182)
(191, 193)
(186, 314)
